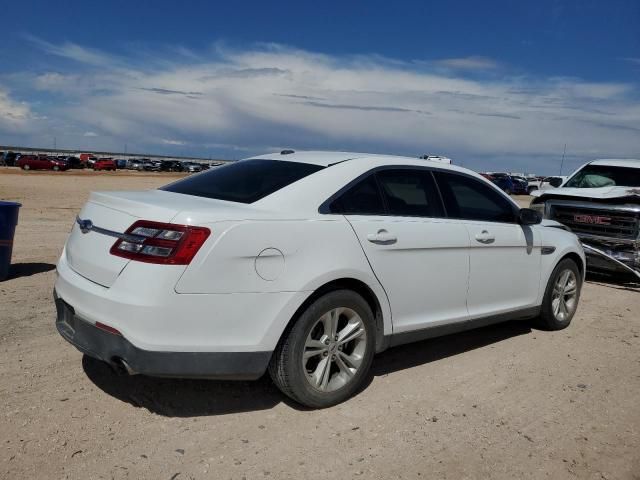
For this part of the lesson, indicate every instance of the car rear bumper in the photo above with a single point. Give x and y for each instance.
(143, 305)
(117, 351)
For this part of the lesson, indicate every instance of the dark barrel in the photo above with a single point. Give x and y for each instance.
(8, 222)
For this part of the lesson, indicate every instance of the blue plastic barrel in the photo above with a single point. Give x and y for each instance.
(8, 222)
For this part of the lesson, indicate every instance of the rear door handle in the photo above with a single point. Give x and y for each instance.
(382, 238)
(485, 237)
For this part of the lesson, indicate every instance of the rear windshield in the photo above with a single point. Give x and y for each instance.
(595, 176)
(246, 181)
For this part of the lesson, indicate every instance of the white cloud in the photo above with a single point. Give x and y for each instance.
(89, 134)
(468, 63)
(273, 95)
(13, 115)
(72, 51)
(51, 81)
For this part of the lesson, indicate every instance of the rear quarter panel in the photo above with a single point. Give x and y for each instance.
(297, 256)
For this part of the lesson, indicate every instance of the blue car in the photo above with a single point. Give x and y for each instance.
(520, 185)
(504, 183)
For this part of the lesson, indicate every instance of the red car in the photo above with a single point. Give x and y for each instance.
(104, 164)
(41, 162)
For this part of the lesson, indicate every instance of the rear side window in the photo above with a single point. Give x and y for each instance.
(361, 199)
(246, 181)
(410, 193)
(467, 198)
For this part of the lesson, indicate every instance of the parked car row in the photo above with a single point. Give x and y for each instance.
(85, 160)
(147, 165)
(46, 162)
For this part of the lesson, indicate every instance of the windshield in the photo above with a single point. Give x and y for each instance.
(246, 181)
(595, 176)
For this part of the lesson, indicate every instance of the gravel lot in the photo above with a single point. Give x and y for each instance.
(506, 401)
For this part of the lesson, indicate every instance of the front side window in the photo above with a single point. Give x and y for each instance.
(401, 192)
(246, 181)
(410, 193)
(467, 198)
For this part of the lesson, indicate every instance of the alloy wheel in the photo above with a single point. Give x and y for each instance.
(565, 292)
(334, 349)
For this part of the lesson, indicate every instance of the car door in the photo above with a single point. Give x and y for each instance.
(420, 258)
(505, 257)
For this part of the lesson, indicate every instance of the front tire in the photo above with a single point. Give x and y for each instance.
(324, 358)
(561, 296)
(26, 167)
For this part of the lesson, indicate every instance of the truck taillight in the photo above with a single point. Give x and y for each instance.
(163, 243)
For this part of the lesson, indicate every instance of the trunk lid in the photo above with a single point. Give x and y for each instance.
(87, 253)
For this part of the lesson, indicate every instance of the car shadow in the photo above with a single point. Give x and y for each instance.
(193, 398)
(176, 397)
(427, 351)
(620, 282)
(18, 270)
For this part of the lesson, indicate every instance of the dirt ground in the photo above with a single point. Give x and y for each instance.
(507, 401)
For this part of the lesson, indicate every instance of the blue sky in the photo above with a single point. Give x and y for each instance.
(494, 84)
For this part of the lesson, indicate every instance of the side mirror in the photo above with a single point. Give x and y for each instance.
(555, 182)
(527, 216)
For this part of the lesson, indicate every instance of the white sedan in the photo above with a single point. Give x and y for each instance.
(305, 264)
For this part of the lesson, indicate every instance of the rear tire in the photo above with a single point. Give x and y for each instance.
(26, 167)
(561, 296)
(56, 168)
(325, 356)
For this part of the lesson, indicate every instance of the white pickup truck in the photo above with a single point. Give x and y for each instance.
(600, 203)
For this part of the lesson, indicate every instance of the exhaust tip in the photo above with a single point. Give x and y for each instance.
(121, 367)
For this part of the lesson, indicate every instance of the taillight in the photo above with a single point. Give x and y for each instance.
(164, 243)
(107, 328)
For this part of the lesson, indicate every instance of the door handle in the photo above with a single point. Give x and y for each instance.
(485, 237)
(382, 237)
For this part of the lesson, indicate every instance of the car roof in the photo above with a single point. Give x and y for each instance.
(325, 159)
(306, 194)
(617, 162)
(313, 157)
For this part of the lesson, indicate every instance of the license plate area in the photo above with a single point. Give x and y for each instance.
(65, 318)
